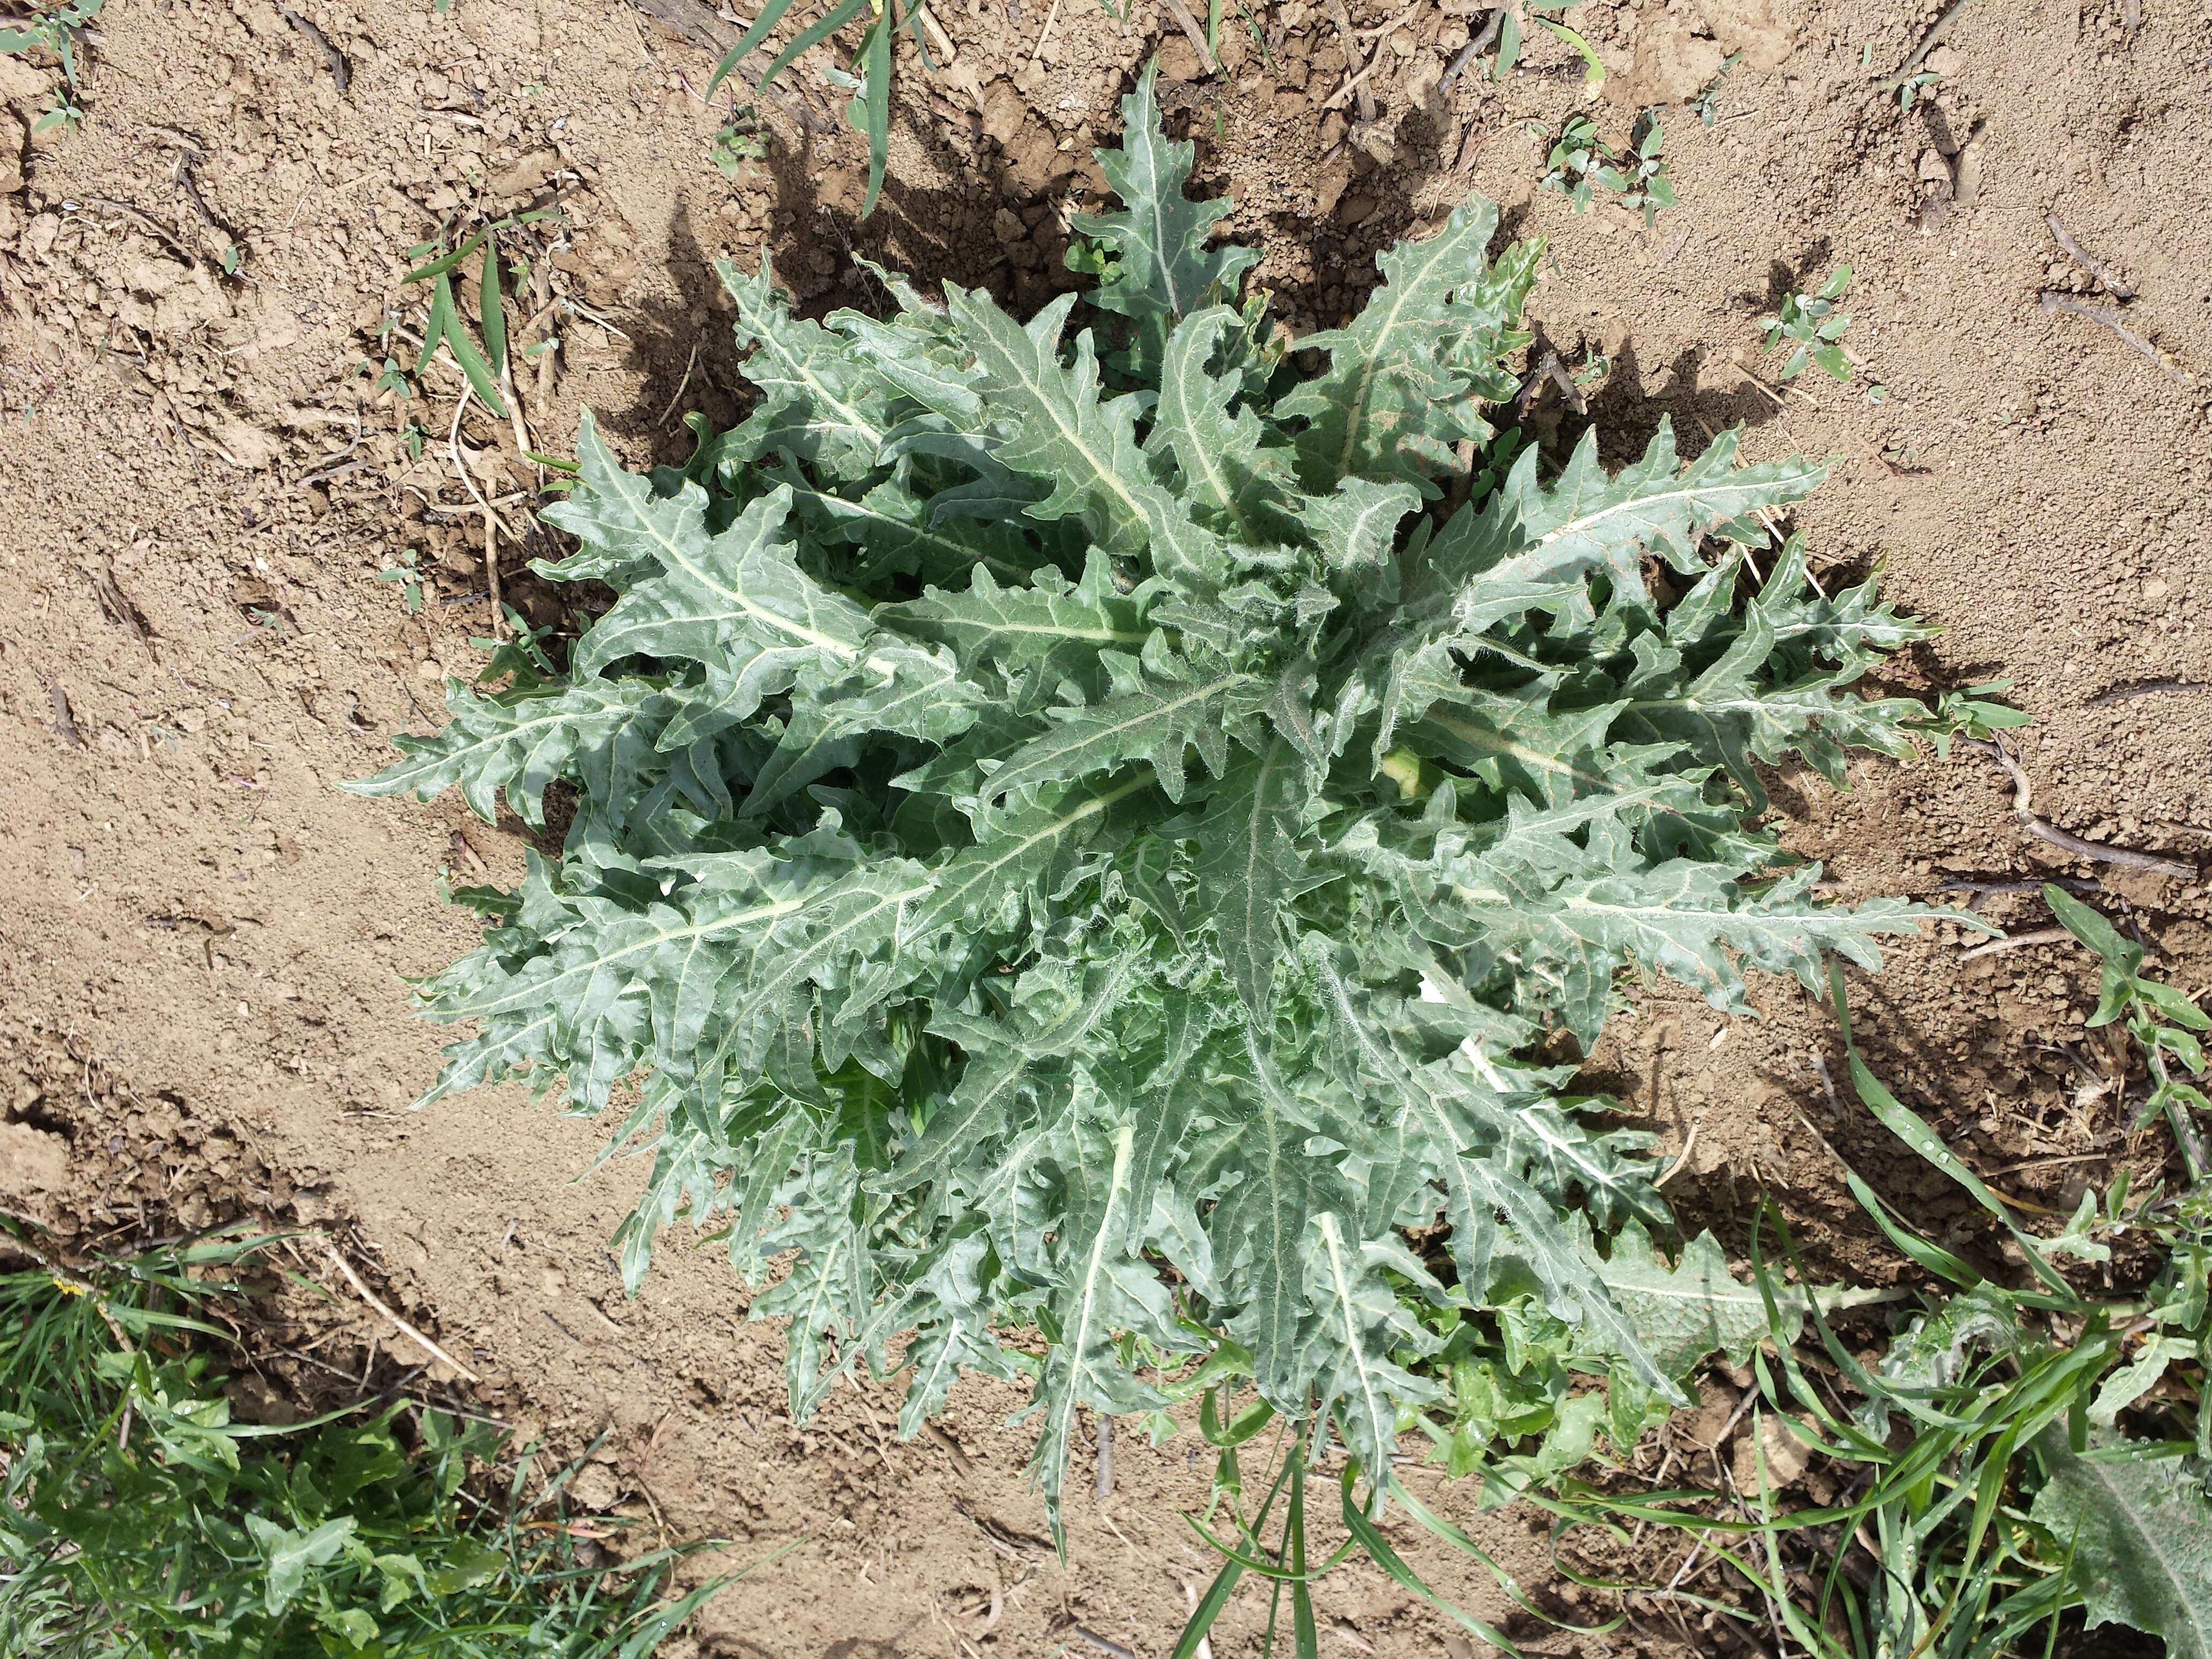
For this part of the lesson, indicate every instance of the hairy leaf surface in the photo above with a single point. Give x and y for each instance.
(1077, 828)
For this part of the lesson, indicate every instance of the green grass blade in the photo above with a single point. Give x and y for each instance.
(1304, 1637)
(1370, 1539)
(445, 262)
(437, 322)
(1207, 1611)
(820, 29)
(1459, 1540)
(1934, 1258)
(495, 311)
(1908, 1127)
(876, 108)
(465, 351)
(770, 15)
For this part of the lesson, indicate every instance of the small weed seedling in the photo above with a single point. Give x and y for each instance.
(1640, 176)
(1571, 162)
(741, 144)
(1579, 159)
(407, 571)
(486, 366)
(1812, 327)
(52, 28)
(2166, 1026)
(1706, 106)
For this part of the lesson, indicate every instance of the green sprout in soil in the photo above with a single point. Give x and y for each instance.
(137, 1518)
(869, 111)
(1522, 16)
(1706, 105)
(52, 28)
(2167, 1026)
(1812, 327)
(741, 144)
(1578, 161)
(407, 571)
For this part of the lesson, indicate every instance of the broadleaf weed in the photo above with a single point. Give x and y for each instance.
(1115, 835)
(1813, 329)
(52, 28)
(137, 1517)
(1579, 159)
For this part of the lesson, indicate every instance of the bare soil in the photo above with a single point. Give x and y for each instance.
(203, 942)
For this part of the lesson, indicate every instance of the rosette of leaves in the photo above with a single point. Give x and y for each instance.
(1098, 830)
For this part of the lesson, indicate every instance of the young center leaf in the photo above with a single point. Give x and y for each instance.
(1074, 829)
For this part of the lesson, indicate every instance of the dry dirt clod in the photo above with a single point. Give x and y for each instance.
(1783, 1455)
(596, 1488)
(1190, 27)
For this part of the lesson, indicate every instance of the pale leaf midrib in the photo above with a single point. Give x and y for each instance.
(797, 369)
(677, 557)
(1404, 294)
(1098, 736)
(1072, 435)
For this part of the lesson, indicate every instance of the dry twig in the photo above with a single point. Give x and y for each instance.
(333, 59)
(1353, 84)
(682, 386)
(1190, 27)
(143, 217)
(960, 1459)
(65, 723)
(1481, 43)
(453, 447)
(114, 604)
(2097, 267)
(2144, 689)
(1092, 1637)
(491, 573)
(2043, 830)
(1355, 65)
(2017, 942)
(1383, 31)
(2109, 317)
(403, 1327)
(1928, 42)
(1682, 1157)
(459, 843)
(1051, 16)
(697, 22)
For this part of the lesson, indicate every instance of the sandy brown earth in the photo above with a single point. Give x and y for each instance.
(203, 942)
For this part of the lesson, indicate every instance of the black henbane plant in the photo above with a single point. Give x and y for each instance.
(1091, 838)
